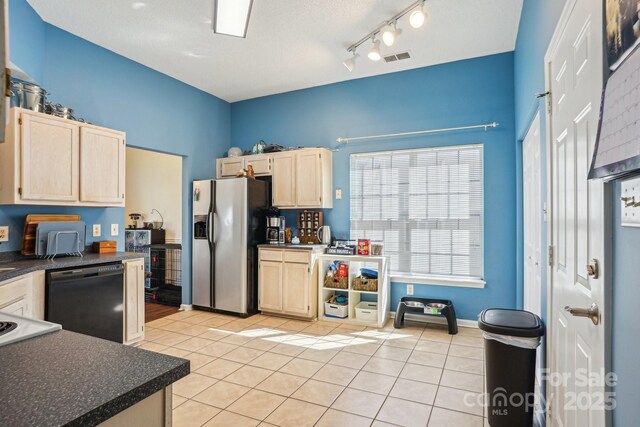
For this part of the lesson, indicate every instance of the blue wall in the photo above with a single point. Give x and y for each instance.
(157, 112)
(27, 39)
(456, 94)
(626, 294)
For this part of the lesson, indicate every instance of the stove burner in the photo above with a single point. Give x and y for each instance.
(6, 327)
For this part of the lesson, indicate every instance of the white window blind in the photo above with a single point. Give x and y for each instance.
(425, 206)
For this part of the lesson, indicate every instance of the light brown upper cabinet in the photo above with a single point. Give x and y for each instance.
(102, 166)
(283, 185)
(303, 179)
(48, 160)
(228, 167)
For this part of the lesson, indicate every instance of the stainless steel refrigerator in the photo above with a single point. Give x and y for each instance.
(228, 224)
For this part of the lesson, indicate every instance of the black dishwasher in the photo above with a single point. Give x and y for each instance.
(88, 300)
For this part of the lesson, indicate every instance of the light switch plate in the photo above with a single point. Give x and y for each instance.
(4, 233)
(97, 230)
(338, 193)
(630, 197)
(114, 229)
(409, 289)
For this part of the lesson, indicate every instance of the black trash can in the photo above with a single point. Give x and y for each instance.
(511, 338)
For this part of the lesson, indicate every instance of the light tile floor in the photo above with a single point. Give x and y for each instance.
(272, 371)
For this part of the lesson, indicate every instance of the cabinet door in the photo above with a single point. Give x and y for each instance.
(261, 164)
(229, 167)
(134, 301)
(284, 180)
(270, 286)
(50, 150)
(15, 296)
(295, 289)
(308, 179)
(102, 166)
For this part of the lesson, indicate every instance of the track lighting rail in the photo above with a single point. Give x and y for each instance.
(485, 126)
(375, 32)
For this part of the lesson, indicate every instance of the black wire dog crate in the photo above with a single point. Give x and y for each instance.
(165, 274)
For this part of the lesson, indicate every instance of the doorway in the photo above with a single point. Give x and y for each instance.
(154, 191)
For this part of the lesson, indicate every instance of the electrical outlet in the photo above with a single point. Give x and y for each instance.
(97, 230)
(338, 193)
(409, 289)
(4, 233)
(114, 229)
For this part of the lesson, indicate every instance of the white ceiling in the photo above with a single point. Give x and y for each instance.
(290, 44)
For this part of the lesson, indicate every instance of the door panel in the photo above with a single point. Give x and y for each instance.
(230, 167)
(50, 150)
(270, 286)
(284, 180)
(134, 298)
(308, 179)
(295, 289)
(574, 76)
(102, 166)
(229, 233)
(201, 259)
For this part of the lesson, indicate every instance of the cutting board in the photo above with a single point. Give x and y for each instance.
(31, 225)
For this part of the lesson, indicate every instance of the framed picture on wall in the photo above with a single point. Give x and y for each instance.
(622, 28)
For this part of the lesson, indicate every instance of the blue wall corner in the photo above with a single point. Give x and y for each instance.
(474, 91)
(157, 112)
(27, 39)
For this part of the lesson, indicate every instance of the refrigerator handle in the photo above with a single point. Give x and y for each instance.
(212, 244)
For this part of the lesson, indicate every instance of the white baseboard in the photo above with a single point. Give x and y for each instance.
(186, 307)
(439, 320)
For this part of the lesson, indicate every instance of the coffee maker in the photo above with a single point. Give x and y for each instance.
(275, 230)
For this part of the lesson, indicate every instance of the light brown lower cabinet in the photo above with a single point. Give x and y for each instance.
(286, 282)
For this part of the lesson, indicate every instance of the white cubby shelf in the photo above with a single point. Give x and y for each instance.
(356, 262)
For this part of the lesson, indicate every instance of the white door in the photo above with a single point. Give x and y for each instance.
(532, 213)
(532, 220)
(576, 345)
(102, 166)
(270, 286)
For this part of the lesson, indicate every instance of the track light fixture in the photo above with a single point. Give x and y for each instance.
(388, 32)
(374, 53)
(417, 17)
(351, 62)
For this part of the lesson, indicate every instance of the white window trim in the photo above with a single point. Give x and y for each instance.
(427, 279)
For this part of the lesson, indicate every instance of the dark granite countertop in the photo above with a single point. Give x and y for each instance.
(292, 246)
(69, 379)
(20, 265)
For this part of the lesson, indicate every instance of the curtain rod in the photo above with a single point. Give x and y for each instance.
(485, 126)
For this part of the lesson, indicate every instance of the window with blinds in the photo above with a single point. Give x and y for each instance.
(425, 206)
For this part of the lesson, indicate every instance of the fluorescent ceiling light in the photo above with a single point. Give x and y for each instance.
(231, 17)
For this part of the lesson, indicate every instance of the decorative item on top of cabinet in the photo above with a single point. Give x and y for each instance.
(52, 161)
(308, 224)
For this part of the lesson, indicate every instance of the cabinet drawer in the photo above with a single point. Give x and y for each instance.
(12, 291)
(271, 255)
(297, 256)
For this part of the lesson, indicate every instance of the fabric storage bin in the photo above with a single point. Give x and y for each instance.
(336, 282)
(367, 311)
(341, 311)
(362, 284)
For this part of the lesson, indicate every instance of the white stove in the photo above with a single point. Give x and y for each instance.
(15, 328)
